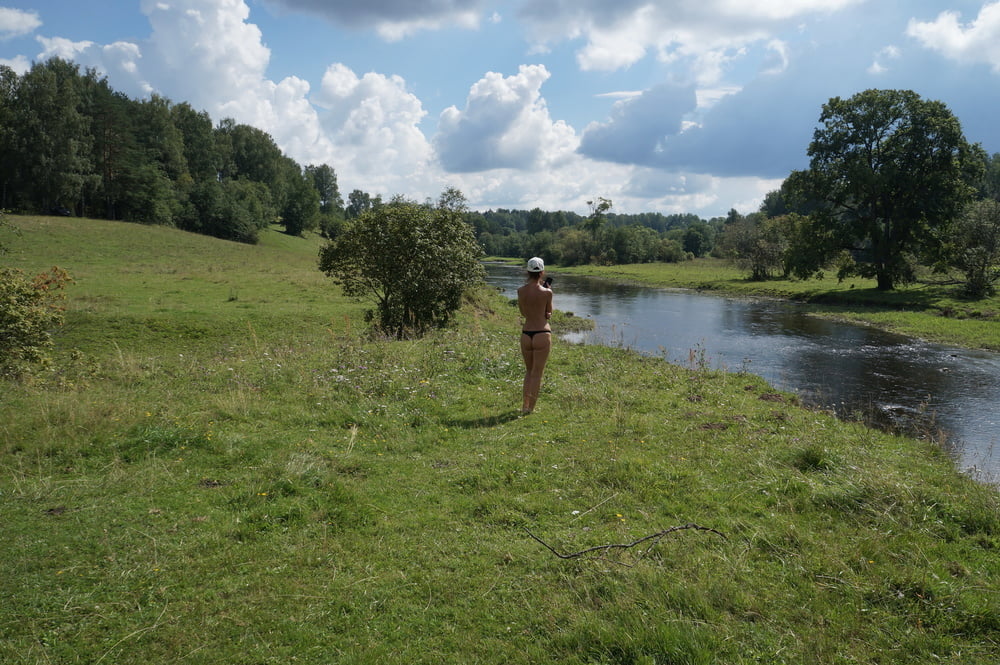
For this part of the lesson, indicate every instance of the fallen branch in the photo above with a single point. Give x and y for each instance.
(656, 537)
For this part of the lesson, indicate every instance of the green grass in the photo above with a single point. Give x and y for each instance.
(212, 480)
(931, 311)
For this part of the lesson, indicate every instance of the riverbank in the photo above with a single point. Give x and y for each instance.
(222, 467)
(933, 312)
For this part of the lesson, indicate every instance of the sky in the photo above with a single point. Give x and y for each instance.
(670, 106)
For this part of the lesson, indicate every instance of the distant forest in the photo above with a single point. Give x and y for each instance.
(72, 145)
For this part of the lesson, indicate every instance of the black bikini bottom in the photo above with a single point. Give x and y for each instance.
(532, 333)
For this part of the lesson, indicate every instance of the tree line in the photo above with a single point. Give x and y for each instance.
(72, 145)
(603, 237)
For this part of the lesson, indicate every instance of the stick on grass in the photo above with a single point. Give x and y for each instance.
(656, 537)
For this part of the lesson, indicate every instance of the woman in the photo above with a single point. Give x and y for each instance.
(534, 299)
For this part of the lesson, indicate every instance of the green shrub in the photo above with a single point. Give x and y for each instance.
(29, 309)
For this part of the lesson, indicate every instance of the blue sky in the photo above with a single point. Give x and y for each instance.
(672, 106)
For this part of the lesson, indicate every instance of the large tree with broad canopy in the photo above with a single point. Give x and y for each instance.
(888, 173)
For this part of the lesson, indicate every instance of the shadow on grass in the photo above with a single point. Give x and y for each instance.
(486, 421)
(875, 300)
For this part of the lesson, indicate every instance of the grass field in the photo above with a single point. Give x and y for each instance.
(221, 467)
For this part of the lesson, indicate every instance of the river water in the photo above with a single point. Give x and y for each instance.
(949, 393)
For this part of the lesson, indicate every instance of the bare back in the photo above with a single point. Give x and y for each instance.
(535, 302)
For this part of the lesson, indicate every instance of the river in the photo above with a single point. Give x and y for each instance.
(950, 393)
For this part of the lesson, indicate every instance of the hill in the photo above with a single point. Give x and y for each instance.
(222, 467)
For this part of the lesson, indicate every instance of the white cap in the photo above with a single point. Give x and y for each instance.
(535, 264)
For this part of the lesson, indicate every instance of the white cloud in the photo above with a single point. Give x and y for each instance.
(885, 54)
(17, 22)
(505, 124)
(206, 52)
(683, 192)
(778, 61)
(975, 42)
(372, 123)
(19, 64)
(709, 97)
(568, 187)
(708, 34)
(58, 47)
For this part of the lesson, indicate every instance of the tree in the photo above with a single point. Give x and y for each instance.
(890, 171)
(360, 202)
(114, 151)
(697, 239)
(412, 261)
(807, 245)
(755, 244)
(232, 210)
(53, 135)
(990, 185)
(976, 247)
(204, 160)
(324, 179)
(302, 206)
(9, 167)
(253, 154)
(597, 218)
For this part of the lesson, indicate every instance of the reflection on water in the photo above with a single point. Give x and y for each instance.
(890, 379)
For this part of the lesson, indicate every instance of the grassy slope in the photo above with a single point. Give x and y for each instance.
(229, 473)
(928, 311)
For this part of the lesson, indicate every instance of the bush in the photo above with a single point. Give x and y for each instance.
(412, 261)
(976, 247)
(29, 310)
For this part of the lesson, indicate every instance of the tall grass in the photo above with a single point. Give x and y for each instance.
(200, 482)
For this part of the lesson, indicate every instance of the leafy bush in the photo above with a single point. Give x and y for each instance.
(29, 309)
(976, 247)
(412, 261)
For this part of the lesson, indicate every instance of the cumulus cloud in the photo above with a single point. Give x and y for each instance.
(373, 121)
(393, 19)
(206, 51)
(505, 124)
(974, 42)
(119, 61)
(619, 33)
(17, 22)
(19, 64)
(640, 126)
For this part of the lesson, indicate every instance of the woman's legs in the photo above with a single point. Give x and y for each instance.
(535, 350)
